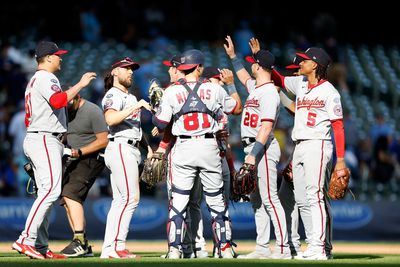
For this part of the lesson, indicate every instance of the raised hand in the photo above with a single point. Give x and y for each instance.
(254, 45)
(87, 78)
(227, 76)
(229, 48)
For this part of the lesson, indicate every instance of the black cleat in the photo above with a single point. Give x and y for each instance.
(75, 249)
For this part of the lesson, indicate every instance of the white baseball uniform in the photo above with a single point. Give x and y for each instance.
(43, 147)
(262, 104)
(122, 157)
(195, 153)
(316, 107)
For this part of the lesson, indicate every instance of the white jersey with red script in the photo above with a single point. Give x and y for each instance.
(316, 107)
(262, 104)
(39, 114)
(118, 100)
(193, 124)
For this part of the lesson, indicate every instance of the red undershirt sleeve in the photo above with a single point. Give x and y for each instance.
(338, 132)
(59, 100)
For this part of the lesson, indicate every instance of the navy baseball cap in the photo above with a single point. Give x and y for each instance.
(190, 59)
(45, 48)
(174, 62)
(126, 62)
(317, 55)
(296, 63)
(263, 58)
(211, 72)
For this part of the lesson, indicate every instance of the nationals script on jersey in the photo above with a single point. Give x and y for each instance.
(315, 108)
(118, 100)
(39, 114)
(193, 124)
(262, 104)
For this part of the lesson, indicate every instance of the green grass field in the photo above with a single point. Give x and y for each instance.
(364, 257)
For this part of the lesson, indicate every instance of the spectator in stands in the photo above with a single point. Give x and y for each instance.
(382, 162)
(380, 128)
(90, 25)
(17, 131)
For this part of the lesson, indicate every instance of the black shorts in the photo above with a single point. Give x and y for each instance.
(79, 176)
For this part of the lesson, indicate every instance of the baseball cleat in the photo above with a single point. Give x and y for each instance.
(53, 256)
(174, 253)
(256, 255)
(29, 251)
(122, 254)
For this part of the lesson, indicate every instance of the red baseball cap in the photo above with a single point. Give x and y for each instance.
(126, 62)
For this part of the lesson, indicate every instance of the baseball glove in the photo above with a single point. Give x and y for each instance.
(154, 169)
(339, 183)
(155, 94)
(287, 173)
(245, 180)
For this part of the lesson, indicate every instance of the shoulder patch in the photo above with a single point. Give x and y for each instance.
(107, 104)
(336, 100)
(337, 110)
(53, 81)
(158, 111)
(55, 88)
(109, 95)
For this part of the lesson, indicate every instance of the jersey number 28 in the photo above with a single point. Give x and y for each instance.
(250, 120)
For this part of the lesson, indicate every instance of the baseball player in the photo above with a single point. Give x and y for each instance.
(87, 135)
(288, 201)
(262, 149)
(318, 110)
(193, 106)
(45, 119)
(194, 244)
(222, 77)
(122, 155)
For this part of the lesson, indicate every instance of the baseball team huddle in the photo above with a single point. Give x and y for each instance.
(70, 141)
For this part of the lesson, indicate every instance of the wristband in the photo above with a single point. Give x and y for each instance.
(231, 88)
(257, 148)
(163, 145)
(80, 152)
(237, 64)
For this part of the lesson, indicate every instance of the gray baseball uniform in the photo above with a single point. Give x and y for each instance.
(122, 157)
(44, 149)
(195, 132)
(262, 104)
(316, 107)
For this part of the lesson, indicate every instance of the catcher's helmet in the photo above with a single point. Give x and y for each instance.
(190, 59)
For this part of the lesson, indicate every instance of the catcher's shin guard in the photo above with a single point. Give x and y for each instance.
(176, 226)
(221, 224)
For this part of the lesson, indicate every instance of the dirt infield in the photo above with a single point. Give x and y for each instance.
(243, 247)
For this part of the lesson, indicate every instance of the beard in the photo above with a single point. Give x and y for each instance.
(127, 83)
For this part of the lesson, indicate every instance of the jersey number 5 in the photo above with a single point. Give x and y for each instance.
(191, 121)
(250, 120)
(311, 119)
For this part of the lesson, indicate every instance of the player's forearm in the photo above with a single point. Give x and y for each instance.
(239, 107)
(114, 117)
(241, 72)
(264, 132)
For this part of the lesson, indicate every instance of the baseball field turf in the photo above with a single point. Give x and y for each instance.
(345, 254)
